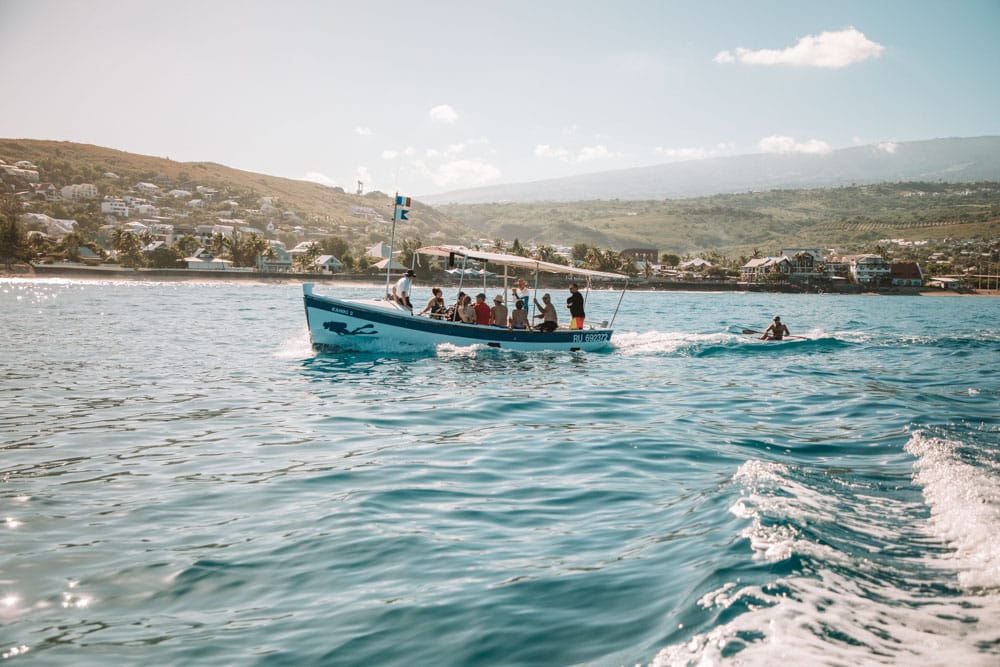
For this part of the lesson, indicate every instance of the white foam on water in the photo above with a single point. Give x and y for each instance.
(297, 347)
(847, 609)
(965, 507)
(632, 343)
(830, 620)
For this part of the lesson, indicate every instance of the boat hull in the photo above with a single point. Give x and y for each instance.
(379, 325)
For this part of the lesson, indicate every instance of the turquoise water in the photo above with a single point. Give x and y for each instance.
(183, 481)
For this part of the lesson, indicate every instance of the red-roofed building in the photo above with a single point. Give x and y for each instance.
(906, 274)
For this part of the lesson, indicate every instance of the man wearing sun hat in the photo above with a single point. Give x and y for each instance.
(401, 290)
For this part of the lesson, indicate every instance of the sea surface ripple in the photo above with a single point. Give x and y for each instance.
(184, 481)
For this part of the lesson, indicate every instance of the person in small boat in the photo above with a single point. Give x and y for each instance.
(776, 331)
(522, 293)
(482, 310)
(575, 305)
(546, 311)
(519, 316)
(467, 313)
(498, 313)
(435, 307)
(401, 290)
(454, 313)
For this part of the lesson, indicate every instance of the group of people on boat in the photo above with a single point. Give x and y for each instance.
(477, 311)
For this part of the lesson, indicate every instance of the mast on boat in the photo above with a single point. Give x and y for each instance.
(400, 209)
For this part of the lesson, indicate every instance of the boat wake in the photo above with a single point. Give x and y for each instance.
(707, 345)
(886, 575)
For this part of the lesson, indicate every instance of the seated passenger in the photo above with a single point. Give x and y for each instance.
(436, 304)
(550, 321)
(468, 312)
(455, 312)
(519, 316)
(498, 313)
(482, 310)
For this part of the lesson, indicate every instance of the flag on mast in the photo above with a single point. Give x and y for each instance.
(402, 201)
(401, 214)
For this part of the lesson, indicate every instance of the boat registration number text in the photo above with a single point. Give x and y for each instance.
(590, 338)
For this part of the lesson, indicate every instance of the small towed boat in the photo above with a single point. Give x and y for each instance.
(380, 324)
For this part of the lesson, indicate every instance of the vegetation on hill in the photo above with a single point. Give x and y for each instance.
(321, 207)
(848, 218)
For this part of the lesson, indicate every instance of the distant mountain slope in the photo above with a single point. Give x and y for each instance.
(957, 160)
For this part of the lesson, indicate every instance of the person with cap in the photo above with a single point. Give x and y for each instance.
(575, 305)
(401, 290)
(776, 331)
(482, 310)
(498, 313)
(546, 311)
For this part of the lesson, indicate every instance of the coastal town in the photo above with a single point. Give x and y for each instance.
(163, 225)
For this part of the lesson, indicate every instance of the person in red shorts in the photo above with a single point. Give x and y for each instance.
(575, 305)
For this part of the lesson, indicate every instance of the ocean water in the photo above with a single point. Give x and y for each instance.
(184, 482)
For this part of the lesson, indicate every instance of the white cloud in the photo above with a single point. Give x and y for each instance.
(363, 131)
(783, 145)
(390, 155)
(432, 153)
(547, 151)
(317, 177)
(887, 147)
(831, 50)
(443, 113)
(599, 152)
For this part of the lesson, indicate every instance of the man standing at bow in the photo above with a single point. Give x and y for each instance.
(575, 305)
(401, 290)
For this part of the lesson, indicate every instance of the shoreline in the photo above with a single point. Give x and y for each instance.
(83, 272)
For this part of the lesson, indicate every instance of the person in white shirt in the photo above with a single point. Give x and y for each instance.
(401, 290)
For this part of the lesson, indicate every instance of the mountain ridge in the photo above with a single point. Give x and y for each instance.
(954, 159)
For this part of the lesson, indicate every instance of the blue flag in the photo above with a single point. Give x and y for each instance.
(401, 214)
(402, 201)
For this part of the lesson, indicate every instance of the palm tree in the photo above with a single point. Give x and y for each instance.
(186, 244)
(70, 245)
(13, 243)
(547, 253)
(128, 247)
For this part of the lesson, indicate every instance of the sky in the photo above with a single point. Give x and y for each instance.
(433, 96)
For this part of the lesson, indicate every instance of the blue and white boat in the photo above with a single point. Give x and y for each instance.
(380, 324)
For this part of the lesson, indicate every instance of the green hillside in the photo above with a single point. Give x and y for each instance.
(322, 207)
(844, 218)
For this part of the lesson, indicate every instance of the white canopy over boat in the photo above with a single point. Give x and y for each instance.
(503, 259)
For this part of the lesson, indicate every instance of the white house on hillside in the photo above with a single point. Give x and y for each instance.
(328, 264)
(79, 191)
